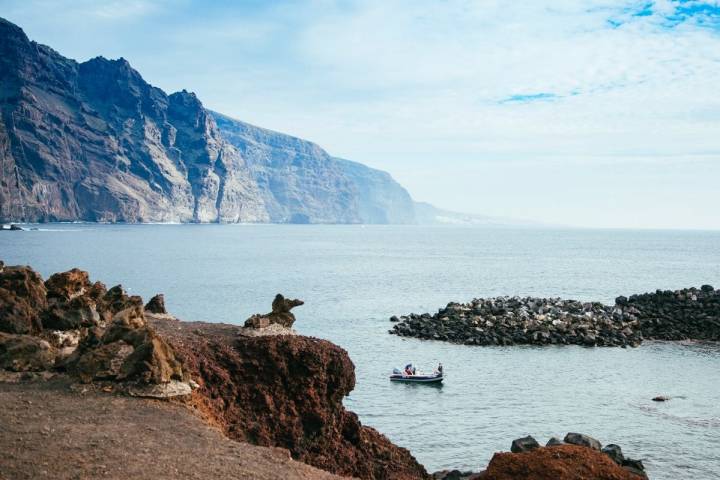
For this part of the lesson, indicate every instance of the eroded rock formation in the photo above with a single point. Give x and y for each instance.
(280, 314)
(70, 323)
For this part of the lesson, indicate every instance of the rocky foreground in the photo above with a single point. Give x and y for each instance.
(664, 315)
(119, 389)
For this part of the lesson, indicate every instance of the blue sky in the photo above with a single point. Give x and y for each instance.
(594, 113)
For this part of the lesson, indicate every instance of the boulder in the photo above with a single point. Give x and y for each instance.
(23, 353)
(68, 285)
(22, 298)
(103, 363)
(280, 314)
(524, 444)
(129, 349)
(554, 441)
(615, 452)
(74, 302)
(562, 462)
(156, 304)
(634, 466)
(582, 440)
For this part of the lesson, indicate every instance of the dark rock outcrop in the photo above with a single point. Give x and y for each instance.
(156, 304)
(285, 391)
(280, 315)
(524, 444)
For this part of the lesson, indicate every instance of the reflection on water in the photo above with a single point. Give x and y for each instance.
(353, 279)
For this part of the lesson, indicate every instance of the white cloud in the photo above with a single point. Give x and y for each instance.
(419, 88)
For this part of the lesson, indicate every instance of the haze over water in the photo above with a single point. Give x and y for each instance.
(353, 278)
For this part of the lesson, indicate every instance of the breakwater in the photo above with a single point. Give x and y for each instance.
(692, 313)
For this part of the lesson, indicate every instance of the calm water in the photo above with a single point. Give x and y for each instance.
(353, 278)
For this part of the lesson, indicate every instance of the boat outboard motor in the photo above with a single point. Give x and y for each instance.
(397, 371)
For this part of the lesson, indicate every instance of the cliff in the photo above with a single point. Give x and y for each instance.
(93, 141)
(301, 183)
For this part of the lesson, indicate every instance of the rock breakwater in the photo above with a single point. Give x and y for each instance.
(666, 315)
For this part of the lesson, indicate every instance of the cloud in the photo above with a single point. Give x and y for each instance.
(457, 87)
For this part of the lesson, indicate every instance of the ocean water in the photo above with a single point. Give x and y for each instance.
(353, 278)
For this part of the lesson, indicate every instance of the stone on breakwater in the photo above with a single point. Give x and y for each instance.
(524, 444)
(583, 440)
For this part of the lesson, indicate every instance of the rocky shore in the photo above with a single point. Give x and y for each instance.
(273, 389)
(665, 315)
(119, 389)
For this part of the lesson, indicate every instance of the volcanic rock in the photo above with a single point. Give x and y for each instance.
(524, 444)
(554, 441)
(128, 350)
(583, 440)
(156, 304)
(280, 314)
(285, 391)
(615, 452)
(22, 298)
(21, 353)
(562, 462)
(683, 314)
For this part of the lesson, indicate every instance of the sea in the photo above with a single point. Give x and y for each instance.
(353, 278)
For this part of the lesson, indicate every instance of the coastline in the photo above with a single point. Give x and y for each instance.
(269, 390)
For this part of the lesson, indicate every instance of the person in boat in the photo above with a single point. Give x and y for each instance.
(409, 369)
(439, 370)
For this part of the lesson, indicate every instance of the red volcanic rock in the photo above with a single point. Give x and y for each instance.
(22, 298)
(561, 462)
(285, 391)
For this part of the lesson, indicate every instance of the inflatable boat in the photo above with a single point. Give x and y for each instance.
(418, 378)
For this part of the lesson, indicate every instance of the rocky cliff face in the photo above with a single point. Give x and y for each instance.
(93, 141)
(301, 183)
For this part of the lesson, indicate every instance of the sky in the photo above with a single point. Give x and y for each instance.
(595, 113)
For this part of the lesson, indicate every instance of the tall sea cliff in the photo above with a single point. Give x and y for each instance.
(93, 141)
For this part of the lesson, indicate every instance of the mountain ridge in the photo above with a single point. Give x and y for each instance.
(93, 141)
